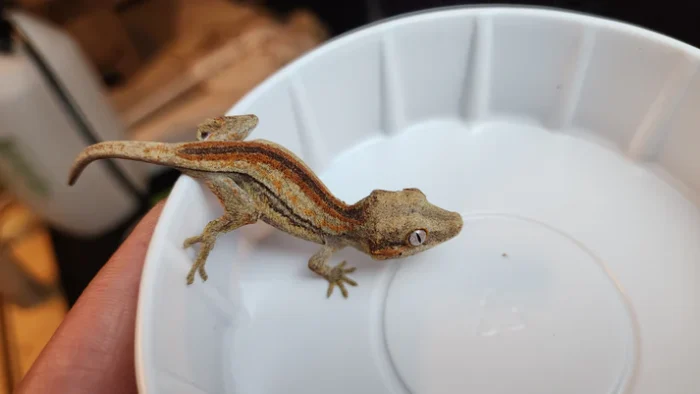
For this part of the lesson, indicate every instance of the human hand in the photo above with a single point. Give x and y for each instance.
(92, 351)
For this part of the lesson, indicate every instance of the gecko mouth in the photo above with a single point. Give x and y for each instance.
(387, 253)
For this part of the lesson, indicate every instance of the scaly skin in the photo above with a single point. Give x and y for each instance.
(260, 180)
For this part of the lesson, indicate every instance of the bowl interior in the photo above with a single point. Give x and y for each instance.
(568, 143)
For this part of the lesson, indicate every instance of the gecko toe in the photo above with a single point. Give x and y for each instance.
(203, 273)
(343, 290)
(191, 241)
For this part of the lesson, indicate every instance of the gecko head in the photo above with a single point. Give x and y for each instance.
(226, 128)
(211, 129)
(403, 223)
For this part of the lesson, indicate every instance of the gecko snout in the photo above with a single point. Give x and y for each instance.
(456, 224)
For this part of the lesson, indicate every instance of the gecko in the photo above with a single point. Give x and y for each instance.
(259, 180)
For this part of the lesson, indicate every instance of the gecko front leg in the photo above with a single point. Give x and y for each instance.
(239, 211)
(335, 276)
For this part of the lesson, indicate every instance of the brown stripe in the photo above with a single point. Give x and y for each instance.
(291, 217)
(217, 150)
(276, 202)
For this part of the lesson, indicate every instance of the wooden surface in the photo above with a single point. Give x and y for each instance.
(207, 63)
(30, 328)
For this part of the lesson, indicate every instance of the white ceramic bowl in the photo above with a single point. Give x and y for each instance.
(570, 144)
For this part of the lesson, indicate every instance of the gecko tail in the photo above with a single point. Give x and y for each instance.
(149, 152)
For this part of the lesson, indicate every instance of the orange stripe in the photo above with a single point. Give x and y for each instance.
(230, 158)
(386, 252)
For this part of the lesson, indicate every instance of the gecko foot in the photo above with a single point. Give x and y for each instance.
(336, 277)
(198, 265)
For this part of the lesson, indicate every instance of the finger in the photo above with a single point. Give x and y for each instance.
(349, 281)
(203, 273)
(190, 275)
(191, 241)
(331, 286)
(350, 270)
(343, 289)
(93, 348)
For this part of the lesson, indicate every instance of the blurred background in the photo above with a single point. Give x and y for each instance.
(74, 72)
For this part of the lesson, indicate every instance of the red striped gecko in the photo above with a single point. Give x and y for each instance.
(260, 180)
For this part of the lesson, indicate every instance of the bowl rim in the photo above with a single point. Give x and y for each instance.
(144, 371)
(588, 19)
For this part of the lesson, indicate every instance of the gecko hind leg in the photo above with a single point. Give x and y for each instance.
(239, 211)
(227, 222)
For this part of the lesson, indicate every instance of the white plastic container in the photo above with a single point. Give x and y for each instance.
(39, 138)
(570, 146)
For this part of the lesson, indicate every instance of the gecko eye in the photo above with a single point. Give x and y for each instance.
(203, 135)
(417, 237)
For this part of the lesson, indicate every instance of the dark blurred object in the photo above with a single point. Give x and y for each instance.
(5, 36)
(80, 259)
(5, 31)
(394, 7)
(339, 16)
